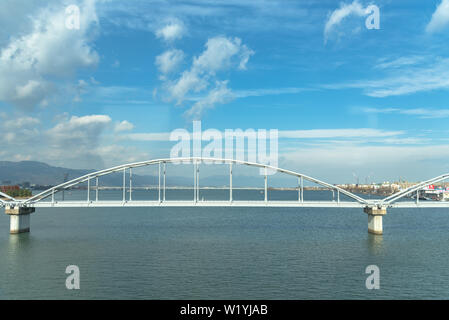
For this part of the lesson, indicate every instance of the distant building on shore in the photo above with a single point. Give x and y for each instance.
(6, 189)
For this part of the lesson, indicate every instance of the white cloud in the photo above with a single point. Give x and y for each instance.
(123, 126)
(338, 15)
(78, 135)
(220, 94)
(172, 31)
(22, 122)
(440, 18)
(220, 54)
(169, 61)
(73, 142)
(189, 81)
(15, 16)
(84, 142)
(30, 63)
(20, 132)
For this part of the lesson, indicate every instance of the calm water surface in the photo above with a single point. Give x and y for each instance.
(224, 253)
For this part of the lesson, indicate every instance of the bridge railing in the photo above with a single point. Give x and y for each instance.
(192, 160)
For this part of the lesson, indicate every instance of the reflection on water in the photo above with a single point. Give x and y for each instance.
(18, 242)
(375, 243)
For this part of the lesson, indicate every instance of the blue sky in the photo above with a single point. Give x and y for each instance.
(352, 100)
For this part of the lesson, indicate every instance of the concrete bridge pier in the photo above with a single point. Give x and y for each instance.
(19, 218)
(375, 219)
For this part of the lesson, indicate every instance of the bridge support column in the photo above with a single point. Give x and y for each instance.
(19, 218)
(375, 219)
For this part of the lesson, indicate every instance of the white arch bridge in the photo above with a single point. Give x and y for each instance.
(19, 210)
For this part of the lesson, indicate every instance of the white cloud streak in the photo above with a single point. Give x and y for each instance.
(434, 75)
(423, 113)
(337, 133)
(292, 134)
(400, 62)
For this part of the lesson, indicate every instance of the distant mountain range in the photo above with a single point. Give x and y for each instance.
(40, 173)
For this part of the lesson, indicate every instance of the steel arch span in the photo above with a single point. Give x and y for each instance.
(36, 199)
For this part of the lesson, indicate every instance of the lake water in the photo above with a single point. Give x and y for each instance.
(224, 253)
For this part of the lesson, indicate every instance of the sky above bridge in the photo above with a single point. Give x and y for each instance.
(349, 101)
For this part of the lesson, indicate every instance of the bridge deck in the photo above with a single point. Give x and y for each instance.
(421, 204)
(173, 203)
(254, 203)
